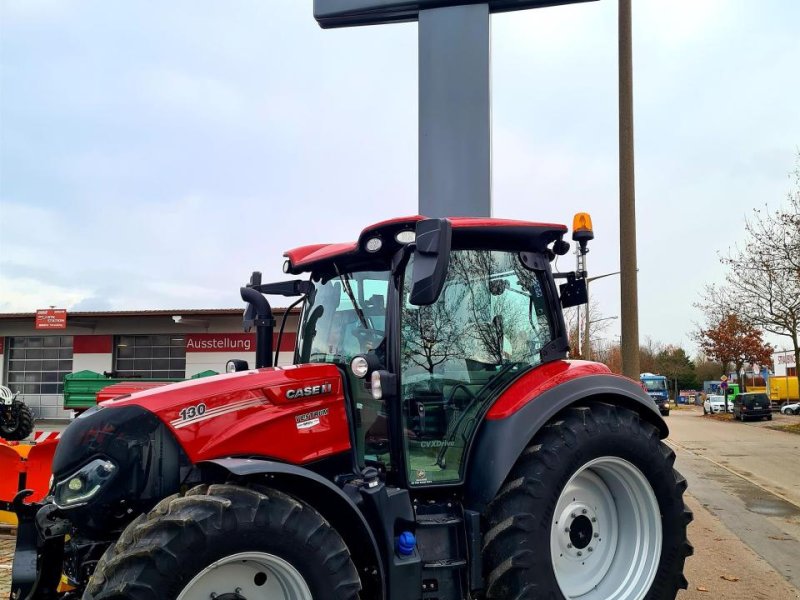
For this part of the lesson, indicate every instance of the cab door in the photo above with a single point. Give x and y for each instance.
(487, 327)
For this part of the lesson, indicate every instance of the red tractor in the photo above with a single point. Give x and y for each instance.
(431, 441)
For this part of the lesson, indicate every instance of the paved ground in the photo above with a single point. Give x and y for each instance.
(6, 556)
(747, 479)
(723, 567)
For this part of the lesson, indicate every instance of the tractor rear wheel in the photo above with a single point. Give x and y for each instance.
(592, 510)
(231, 542)
(18, 424)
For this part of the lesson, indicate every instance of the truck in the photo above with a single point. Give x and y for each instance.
(432, 440)
(657, 387)
(783, 389)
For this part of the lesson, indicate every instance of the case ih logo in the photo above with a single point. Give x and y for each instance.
(311, 390)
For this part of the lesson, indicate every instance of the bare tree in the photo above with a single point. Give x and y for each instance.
(762, 286)
(598, 326)
(431, 336)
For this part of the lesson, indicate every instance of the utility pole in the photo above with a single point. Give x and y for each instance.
(629, 294)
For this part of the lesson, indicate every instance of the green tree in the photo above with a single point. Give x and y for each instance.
(707, 370)
(673, 362)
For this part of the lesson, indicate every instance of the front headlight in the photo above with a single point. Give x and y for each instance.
(83, 485)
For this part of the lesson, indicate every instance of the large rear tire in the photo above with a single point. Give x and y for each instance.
(592, 510)
(21, 424)
(227, 541)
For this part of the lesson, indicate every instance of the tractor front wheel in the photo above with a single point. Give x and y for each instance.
(227, 541)
(592, 510)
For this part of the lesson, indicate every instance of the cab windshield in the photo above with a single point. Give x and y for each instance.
(655, 385)
(343, 317)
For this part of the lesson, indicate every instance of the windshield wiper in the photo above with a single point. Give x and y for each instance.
(345, 279)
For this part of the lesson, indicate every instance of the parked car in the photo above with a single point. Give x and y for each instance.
(716, 404)
(791, 409)
(752, 406)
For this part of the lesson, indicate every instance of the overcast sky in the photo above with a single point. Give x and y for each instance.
(152, 154)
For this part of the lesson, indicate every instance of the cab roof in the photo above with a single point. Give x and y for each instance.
(468, 232)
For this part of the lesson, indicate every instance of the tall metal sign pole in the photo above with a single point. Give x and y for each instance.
(454, 91)
(629, 292)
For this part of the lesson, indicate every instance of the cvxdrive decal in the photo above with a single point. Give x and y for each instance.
(311, 390)
(199, 412)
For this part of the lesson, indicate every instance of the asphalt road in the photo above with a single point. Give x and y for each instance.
(748, 477)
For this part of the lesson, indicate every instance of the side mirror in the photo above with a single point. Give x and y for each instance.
(574, 292)
(431, 259)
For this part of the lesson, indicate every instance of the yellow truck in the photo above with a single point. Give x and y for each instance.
(783, 389)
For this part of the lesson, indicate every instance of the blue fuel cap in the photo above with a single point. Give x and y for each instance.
(406, 543)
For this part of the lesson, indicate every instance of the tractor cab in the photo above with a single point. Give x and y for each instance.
(429, 321)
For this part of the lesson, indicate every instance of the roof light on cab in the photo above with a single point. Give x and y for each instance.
(405, 237)
(582, 229)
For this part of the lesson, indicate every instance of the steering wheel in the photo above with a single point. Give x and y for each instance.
(368, 339)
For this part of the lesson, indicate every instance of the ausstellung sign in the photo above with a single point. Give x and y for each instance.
(347, 13)
(220, 342)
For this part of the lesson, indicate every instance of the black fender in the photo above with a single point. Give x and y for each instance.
(328, 499)
(499, 442)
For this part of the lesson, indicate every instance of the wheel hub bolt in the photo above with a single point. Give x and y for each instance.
(584, 511)
(590, 549)
(569, 545)
(573, 515)
(594, 519)
(597, 535)
(580, 553)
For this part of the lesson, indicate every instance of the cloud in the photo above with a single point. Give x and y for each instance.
(27, 294)
(152, 156)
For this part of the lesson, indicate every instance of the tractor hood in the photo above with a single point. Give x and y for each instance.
(127, 453)
(252, 413)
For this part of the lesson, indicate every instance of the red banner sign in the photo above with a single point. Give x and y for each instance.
(51, 318)
(233, 342)
(220, 342)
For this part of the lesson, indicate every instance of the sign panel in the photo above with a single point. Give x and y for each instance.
(234, 342)
(51, 318)
(347, 13)
(220, 342)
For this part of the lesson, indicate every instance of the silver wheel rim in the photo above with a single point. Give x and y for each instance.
(251, 575)
(605, 540)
